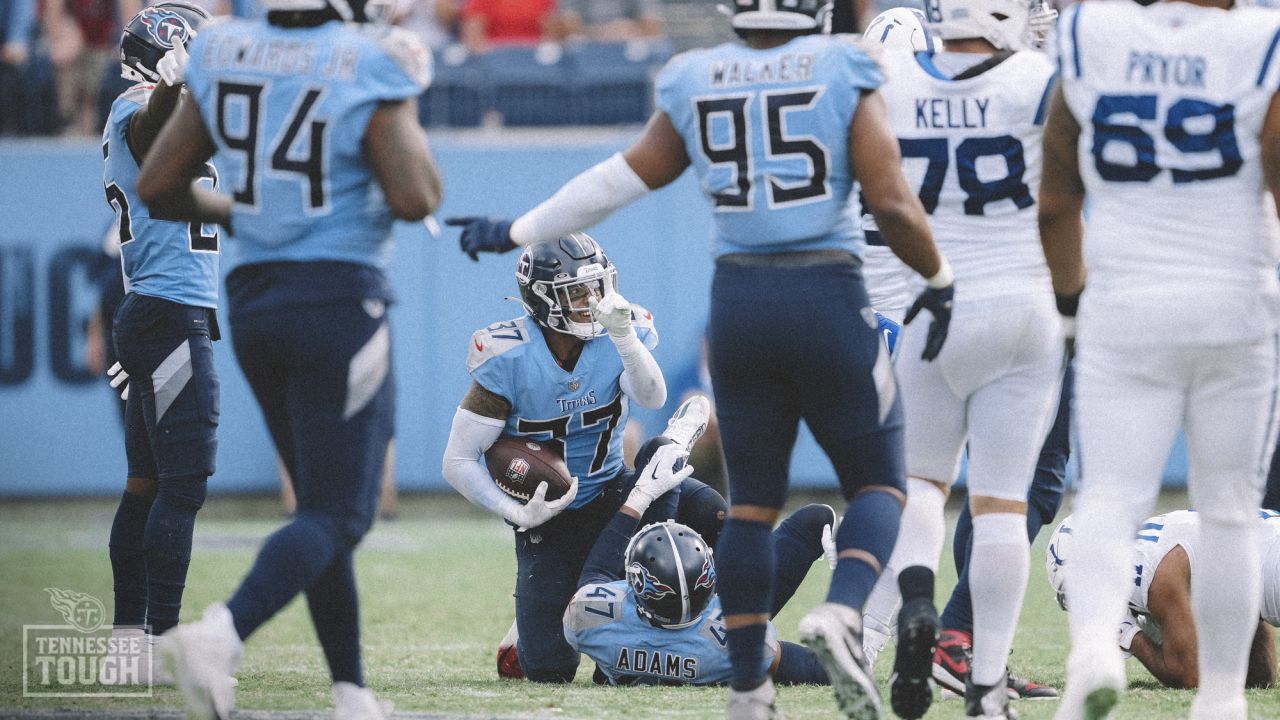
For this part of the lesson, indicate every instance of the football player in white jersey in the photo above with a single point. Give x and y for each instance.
(1172, 139)
(968, 120)
(1159, 629)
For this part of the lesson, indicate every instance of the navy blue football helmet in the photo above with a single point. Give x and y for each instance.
(152, 33)
(558, 280)
(672, 572)
(796, 15)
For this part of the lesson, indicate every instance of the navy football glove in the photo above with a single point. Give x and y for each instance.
(938, 302)
(482, 235)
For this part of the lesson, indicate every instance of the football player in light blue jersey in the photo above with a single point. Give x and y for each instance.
(313, 115)
(163, 333)
(646, 610)
(776, 127)
(552, 376)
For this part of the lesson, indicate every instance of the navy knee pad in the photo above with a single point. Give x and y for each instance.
(703, 509)
(646, 451)
(187, 493)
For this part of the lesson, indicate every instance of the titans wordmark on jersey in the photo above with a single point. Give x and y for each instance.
(582, 411)
(603, 623)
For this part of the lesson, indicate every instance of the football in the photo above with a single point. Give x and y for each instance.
(518, 465)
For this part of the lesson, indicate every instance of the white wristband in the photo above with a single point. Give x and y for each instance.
(943, 277)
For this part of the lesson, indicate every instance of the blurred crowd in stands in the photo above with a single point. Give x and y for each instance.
(59, 68)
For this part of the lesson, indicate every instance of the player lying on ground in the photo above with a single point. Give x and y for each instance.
(1160, 630)
(663, 622)
(552, 375)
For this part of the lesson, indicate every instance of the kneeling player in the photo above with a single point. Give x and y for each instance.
(1160, 630)
(663, 622)
(552, 375)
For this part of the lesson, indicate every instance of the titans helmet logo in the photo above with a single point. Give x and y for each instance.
(168, 28)
(647, 586)
(707, 578)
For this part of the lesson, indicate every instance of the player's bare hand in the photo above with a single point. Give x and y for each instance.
(538, 510)
(481, 234)
(938, 302)
(613, 312)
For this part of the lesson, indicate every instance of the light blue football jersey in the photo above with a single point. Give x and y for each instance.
(603, 623)
(583, 410)
(168, 259)
(287, 109)
(767, 132)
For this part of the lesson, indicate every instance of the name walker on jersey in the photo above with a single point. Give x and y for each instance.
(787, 67)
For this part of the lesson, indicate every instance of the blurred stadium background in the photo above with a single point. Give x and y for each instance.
(510, 119)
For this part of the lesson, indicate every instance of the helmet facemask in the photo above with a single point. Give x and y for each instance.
(568, 299)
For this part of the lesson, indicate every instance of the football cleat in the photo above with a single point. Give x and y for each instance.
(1021, 688)
(988, 702)
(131, 660)
(352, 702)
(689, 422)
(754, 704)
(951, 660)
(509, 655)
(202, 656)
(834, 633)
(951, 670)
(911, 686)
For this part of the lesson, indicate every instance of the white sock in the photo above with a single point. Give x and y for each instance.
(920, 537)
(1226, 590)
(997, 582)
(1099, 571)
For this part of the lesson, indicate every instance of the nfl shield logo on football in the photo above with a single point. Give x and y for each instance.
(517, 469)
(574, 384)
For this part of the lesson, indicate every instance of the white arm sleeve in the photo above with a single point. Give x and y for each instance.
(469, 438)
(582, 202)
(641, 379)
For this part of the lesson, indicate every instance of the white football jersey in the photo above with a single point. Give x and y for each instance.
(972, 149)
(1171, 100)
(1161, 534)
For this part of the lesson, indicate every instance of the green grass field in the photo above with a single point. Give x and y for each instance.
(435, 592)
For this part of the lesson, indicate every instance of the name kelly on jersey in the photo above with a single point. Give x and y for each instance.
(952, 112)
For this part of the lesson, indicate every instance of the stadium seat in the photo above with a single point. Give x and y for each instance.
(612, 82)
(531, 86)
(459, 93)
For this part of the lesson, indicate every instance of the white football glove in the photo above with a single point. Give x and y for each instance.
(119, 379)
(614, 313)
(1129, 628)
(538, 510)
(658, 477)
(172, 68)
(829, 543)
